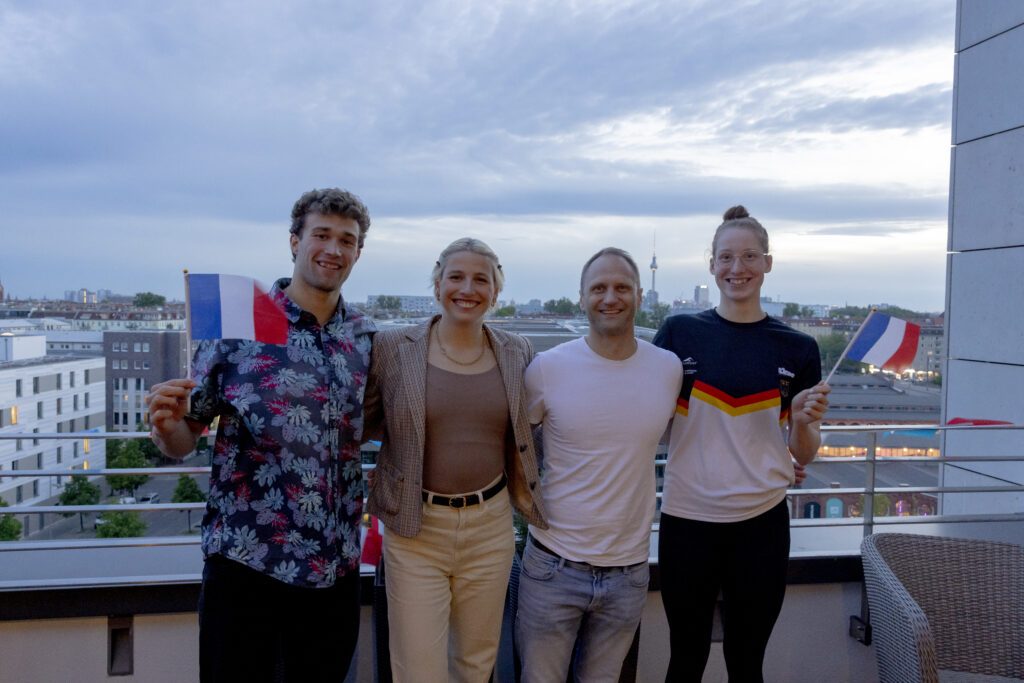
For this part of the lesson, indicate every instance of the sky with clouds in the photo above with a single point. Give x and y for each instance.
(142, 138)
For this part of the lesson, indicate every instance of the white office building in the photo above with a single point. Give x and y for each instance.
(984, 371)
(47, 394)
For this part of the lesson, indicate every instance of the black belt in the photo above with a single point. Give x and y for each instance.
(468, 499)
(573, 564)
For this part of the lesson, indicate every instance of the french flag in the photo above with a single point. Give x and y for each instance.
(886, 342)
(233, 307)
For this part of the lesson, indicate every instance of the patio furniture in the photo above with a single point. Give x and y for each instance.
(945, 609)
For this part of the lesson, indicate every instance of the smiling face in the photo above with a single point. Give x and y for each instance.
(325, 251)
(739, 265)
(466, 288)
(610, 296)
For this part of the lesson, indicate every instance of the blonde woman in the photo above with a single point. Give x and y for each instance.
(456, 454)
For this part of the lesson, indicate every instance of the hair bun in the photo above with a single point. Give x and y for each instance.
(738, 211)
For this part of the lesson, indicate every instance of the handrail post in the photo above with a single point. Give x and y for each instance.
(869, 484)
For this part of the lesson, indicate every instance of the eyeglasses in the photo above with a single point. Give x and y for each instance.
(748, 258)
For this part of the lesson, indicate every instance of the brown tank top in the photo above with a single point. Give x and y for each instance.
(466, 425)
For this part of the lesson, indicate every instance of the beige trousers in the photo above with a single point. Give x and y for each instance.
(446, 592)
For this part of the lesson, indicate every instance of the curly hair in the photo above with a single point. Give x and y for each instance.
(330, 202)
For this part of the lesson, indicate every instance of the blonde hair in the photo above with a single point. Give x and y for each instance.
(474, 246)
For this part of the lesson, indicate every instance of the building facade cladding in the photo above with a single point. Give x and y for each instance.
(135, 362)
(985, 312)
(50, 394)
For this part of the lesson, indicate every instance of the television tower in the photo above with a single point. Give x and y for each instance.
(654, 262)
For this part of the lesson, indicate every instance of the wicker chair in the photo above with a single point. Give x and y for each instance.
(945, 609)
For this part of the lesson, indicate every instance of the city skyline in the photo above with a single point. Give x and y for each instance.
(143, 141)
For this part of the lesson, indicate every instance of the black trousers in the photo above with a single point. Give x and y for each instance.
(745, 560)
(255, 628)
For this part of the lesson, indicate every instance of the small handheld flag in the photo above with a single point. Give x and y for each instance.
(883, 341)
(232, 307)
(886, 342)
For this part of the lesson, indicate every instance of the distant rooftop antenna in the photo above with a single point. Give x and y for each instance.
(654, 261)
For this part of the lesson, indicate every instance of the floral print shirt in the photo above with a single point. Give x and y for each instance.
(286, 479)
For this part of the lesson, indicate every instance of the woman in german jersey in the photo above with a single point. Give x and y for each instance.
(752, 401)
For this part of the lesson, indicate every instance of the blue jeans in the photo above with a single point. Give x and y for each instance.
(560, 600)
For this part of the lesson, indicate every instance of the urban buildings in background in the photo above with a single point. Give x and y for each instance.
(86, 364)
(43, 393)
(402, 303)
(136, 361)
(84, 296)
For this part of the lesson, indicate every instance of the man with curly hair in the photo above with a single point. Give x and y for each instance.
(280, 537)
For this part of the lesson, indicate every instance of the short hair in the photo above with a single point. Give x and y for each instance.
(330, 202)
(474, 246)
(611, 251)
(738, 217)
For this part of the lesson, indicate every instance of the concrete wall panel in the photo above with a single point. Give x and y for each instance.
(988, 180)
(986, 311)
(986, 18)
(989, 87)
(985, 391)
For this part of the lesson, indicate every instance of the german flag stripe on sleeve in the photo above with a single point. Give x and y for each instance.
(732, 405)
(683, 407)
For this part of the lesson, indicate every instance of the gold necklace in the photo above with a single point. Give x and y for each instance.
(444, 352)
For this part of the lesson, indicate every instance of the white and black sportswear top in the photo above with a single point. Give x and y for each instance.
(728, 454)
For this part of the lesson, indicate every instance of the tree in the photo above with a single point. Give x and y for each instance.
(855, 312)
(882, 505)
(861, 312)
(79, 491)
(830, 347)
(791, 310)
(187, 491)
(505, 312)
(149, 450)
(389, 303)
(10, 528)
(652, 319)
(130, 455)
(149, 300)
(562, 306)
(121, 525)
(114, 449)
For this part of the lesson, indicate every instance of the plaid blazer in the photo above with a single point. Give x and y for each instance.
(395, 409)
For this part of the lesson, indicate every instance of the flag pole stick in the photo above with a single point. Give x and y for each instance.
(842, 356)
(188, 339)
(188, 328)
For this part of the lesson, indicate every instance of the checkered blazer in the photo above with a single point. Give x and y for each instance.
(395, 408)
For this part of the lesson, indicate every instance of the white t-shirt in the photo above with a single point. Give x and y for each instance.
(602, 421)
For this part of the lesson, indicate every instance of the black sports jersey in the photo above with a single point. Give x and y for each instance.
(728, 458)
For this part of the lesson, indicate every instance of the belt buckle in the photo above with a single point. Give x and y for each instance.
(457, 502)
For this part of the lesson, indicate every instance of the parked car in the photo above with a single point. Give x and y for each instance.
(127, 500)
(151, 497)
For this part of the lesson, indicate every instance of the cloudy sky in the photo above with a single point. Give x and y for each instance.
(142, 138)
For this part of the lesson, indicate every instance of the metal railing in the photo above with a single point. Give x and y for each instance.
(870, 490)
